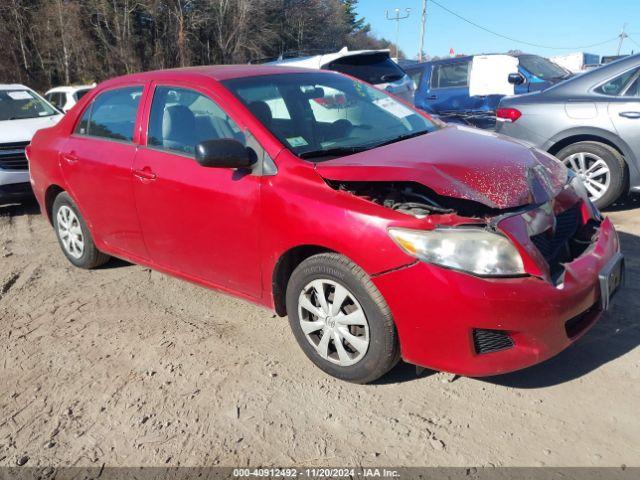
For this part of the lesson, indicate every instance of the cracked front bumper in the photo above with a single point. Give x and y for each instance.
(436, 311)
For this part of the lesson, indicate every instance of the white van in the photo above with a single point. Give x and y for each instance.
(22, 113)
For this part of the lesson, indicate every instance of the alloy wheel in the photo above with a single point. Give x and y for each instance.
(592, 170)
(333, 322)
(70, 231)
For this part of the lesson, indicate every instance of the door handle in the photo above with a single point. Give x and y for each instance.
(432, 97)
(145, 174)
(70, 157)
(634, 115)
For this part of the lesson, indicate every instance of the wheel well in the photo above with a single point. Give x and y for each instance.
(50, 195)
(285, 266)
(565, 142)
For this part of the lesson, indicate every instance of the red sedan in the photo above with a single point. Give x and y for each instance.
(380, 232)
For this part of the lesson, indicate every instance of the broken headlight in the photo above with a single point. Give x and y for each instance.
(472, 250)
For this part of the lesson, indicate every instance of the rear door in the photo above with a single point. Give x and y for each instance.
(625, 113)
(200, 222)
(97, 161)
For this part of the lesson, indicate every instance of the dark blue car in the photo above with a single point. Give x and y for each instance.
(442, 86)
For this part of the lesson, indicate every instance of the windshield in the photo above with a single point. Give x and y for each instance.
(542, 68)
(372, 67)
(326, 114)
(21, 104)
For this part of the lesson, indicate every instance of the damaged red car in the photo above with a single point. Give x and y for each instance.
(381, 233)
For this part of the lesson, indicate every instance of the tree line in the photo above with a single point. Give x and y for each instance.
(60, 42)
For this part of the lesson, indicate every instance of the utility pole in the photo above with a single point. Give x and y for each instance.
(397, 19)
(622, 36)
(422, 30)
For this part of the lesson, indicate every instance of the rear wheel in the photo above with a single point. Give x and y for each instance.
(340, 319)
(600, 167)
(74, 236)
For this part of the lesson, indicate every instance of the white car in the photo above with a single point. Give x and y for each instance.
(22, 113)
(64, 98)
(373, 66)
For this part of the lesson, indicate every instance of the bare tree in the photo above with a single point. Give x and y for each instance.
(50, 42)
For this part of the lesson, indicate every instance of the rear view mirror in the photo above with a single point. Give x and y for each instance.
(516, 79)
(312, 93)
(223, 153)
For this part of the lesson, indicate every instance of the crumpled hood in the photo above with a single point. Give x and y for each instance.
(459, 162)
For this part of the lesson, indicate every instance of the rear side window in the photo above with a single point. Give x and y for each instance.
(181, 118)
(81, 93)
(112, 115)
(450, 75)
(373, 68)
(617, 85)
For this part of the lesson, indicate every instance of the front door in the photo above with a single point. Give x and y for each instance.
(200, 222)
(96, 162)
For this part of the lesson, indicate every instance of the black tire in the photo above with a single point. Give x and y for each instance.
(91, 257)
(615, 162)
(383, 351)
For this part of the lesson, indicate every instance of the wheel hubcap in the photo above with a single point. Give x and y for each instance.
(70, 232)
(592, 170)
(333, 322)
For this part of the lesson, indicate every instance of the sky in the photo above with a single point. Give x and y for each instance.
(565, 24)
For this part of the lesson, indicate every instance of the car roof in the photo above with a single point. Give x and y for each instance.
(214, 72)
(319, 61)
(581, 84)
(70, 88)
(13, 86)
(463, 58)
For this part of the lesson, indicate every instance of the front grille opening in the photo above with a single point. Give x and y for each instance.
(488, 341)
(568, 242)
(12, 156)
(576, 325)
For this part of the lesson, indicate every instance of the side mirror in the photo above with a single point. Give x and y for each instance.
(223, 153)
(515, 79)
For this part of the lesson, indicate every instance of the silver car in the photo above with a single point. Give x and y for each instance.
(591, 122)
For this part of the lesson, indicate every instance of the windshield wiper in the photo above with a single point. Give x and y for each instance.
(333, 152)
(406, 136)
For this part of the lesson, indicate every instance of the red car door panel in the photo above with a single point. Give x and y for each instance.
(198, 221)
(202, 222)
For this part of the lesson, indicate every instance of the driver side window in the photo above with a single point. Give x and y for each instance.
(181, 118)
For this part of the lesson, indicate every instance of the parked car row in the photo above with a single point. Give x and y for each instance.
(381, 232)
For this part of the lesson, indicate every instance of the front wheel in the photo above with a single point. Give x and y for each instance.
(340, 319)
(600, 167)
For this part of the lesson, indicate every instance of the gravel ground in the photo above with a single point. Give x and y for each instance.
(124, 366)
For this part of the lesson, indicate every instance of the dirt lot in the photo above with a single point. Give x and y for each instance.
(125, 366)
